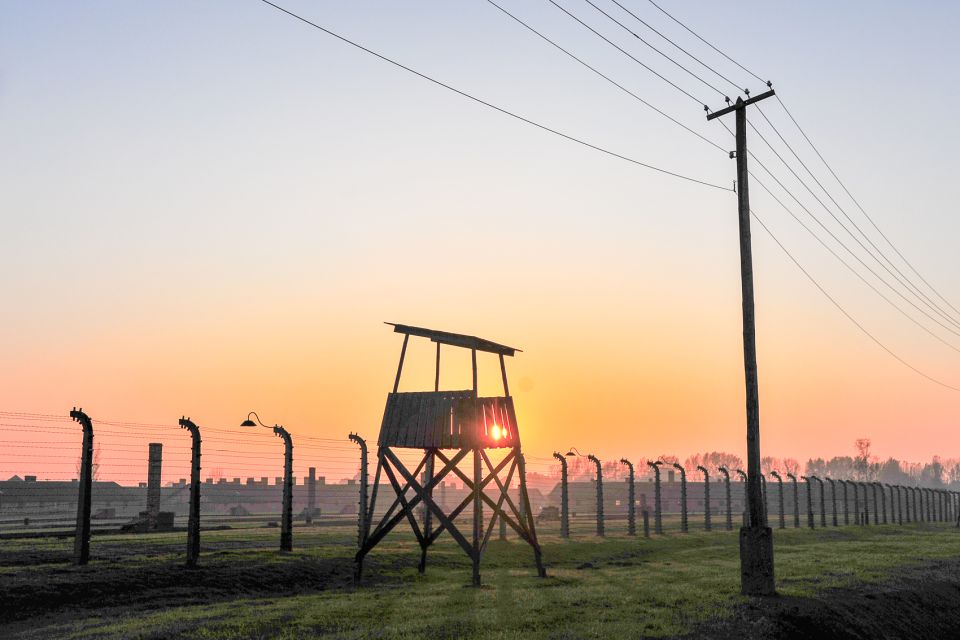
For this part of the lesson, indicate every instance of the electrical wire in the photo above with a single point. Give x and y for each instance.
(860, 207)
(693, 57)
(903, 279)
(490, 105)
(662, 10)
(846, 313)
(638, 37)
(624, 52)
(608, 78)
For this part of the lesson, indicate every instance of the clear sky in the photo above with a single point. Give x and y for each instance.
(210, 208)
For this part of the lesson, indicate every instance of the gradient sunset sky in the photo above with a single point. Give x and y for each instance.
(210, 208)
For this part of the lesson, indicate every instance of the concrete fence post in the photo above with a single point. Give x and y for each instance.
(363, 515)
(783, 517)
(684, 526)
(81, 540)
(564, 497)
(726, 481)
(193, 519)
(631, 498)
(823, 502)
(883, 502)
(706, 497)
(846, 504)
(657, 504)
(796, 501)
(596, 461)
(746, 511)
(833, 499)
(286, 519)
(810, 519)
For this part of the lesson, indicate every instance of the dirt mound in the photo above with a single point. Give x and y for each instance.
(919, 602)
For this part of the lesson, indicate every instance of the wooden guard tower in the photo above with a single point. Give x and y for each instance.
(449, 426)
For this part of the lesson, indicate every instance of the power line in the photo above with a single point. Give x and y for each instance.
(608, 78)
(850, 233)
(637, 36)
(862, 210)
(705, 42)
(628, 54)
(847, 314)
(491, 105)
(905, 280)
(695, 58)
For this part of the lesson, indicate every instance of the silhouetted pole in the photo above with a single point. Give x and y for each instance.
(286, 524)
(81, 540)
(564, 498)
(631, 499)
(846, 504)
(684, 528)
(756, 541)
(657, 512)
(746, 510)
(883, 502)
(876, 503)
(596, 461)
(833, 499)
(823, 502)
(782, 513)
(866, 502)
(917, 512)
(726, 482)
(796, 501)
(899, 514)
(706, 497)
(907, 495)
(193, 520)
(810, 518)
(363, 518)
(311, 494)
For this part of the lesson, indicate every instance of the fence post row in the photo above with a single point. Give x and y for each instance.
(596, 461)
(564, 497)
(631, 499)
(683, 497)
(193, 519)
(81, 540)
(657, 513)
(706, 497)
(782, 514)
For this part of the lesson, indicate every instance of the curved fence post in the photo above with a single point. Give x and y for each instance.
(783, 518)
(81, 540)
(883, 502)
(706, 497)
(657, 512)
(193, 519)
(823, 502)
(846, 504)
(363, 517)
(726, 481)
(746, 511)
(833, 499)
(796, 501)
(683, 497)
(564, 497)
(631, 499)
(596, 461)
(810, 518)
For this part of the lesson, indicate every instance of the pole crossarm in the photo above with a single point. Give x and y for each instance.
(741, 103)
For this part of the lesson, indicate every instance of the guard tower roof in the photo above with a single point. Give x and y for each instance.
(454, 339)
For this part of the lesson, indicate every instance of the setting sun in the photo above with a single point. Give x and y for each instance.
(496, 432)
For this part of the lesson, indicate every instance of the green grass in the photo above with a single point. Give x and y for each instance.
(612, 587)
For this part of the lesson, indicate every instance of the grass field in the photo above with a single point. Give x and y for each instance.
(616, 587)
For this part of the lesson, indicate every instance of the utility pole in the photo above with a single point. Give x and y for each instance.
(756, 540)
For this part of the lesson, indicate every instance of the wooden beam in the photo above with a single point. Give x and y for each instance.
(740, 104)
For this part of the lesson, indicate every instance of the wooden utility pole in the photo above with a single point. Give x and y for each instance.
(756, 539)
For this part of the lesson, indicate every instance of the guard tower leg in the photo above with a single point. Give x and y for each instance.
(428, 478)
(527, 514)
(477, 523)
